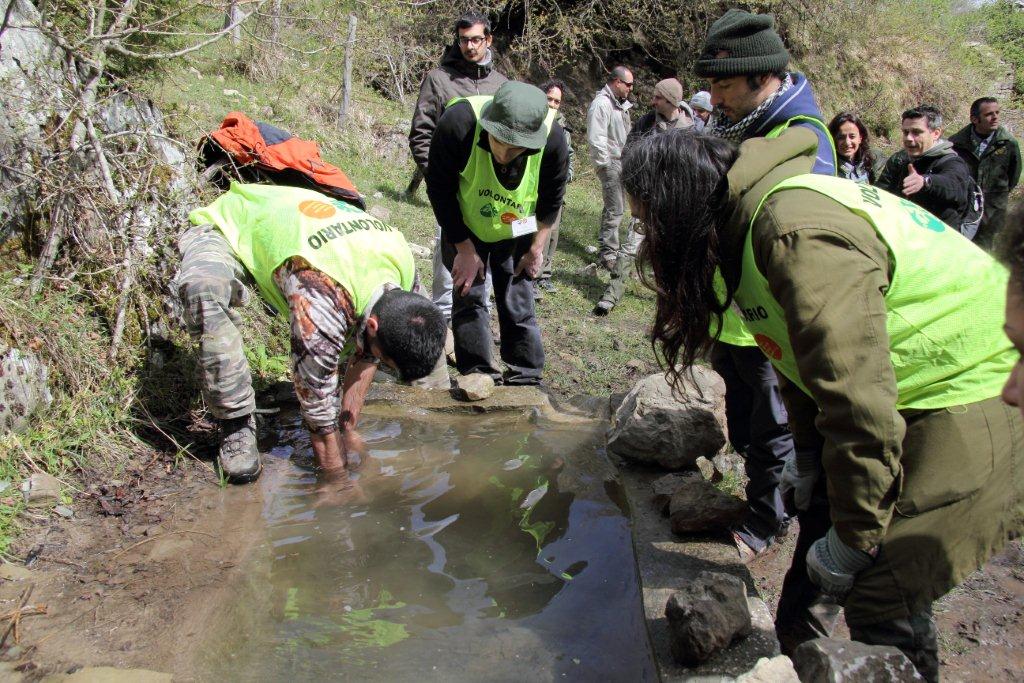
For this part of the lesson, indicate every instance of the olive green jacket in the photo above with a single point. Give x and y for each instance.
(827, 268)
(998, 168)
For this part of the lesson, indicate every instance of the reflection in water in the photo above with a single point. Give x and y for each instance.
(464, 549)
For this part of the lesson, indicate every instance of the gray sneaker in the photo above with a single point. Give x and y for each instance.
(239, 458)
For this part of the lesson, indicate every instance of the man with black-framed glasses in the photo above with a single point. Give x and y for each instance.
(608, 125)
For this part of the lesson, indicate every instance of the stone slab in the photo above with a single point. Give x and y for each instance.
(666, 564)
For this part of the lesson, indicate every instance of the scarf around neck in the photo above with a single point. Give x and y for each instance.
(722, 127)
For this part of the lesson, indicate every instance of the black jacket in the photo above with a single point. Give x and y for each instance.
(947, 181)
(455, 77)
(449, 152)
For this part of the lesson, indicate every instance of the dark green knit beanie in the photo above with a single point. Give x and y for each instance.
(740, 44)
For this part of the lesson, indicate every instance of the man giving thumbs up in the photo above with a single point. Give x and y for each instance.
(927, 171)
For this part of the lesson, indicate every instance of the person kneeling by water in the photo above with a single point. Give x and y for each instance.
(893, 362)
(345, 281)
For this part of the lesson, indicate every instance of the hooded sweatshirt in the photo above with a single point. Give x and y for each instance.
(454, 77)
(797, 101)
(947, 181)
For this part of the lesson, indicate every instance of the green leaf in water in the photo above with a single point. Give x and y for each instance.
(291, 604)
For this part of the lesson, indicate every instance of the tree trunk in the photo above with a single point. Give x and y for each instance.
(346, 98)
(231, 19)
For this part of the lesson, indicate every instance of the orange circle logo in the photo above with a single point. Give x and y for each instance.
(769, 346)
(508, 217)
(316, 209)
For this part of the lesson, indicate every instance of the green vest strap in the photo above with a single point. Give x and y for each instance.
(944, 323)
(733, 330)
(817, 123)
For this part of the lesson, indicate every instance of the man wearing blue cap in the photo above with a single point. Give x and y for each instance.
(496, 177)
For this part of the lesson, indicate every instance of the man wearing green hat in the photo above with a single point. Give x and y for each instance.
(496, 177)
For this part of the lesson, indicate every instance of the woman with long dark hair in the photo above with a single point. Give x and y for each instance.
(894, 380)
(853, 146)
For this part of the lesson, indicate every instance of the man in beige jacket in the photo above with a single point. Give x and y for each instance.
(608, 125)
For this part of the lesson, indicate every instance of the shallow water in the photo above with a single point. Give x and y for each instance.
(466, 548)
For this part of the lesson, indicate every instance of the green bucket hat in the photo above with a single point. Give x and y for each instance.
(516, 115)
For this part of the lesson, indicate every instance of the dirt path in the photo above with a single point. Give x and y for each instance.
(137, 590)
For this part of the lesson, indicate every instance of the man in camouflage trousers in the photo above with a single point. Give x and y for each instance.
(345, 281)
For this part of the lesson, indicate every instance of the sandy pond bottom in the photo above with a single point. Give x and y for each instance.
(466, 548)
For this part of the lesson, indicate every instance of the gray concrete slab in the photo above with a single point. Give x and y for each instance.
(667, 562)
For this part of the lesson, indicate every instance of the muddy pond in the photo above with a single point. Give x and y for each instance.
(485, 547)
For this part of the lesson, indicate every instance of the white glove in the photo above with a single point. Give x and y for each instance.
(832, 565)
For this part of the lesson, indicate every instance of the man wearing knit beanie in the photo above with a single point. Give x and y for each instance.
(754, 95)
(665, 115)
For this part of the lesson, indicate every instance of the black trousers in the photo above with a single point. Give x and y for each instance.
(521, 347)
(759, 431)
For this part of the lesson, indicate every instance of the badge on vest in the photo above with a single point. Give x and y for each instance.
(524, 226)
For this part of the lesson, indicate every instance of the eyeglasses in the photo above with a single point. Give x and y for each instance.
(628, 84)
(471, 40)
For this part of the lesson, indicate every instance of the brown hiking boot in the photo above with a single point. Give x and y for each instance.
(239, 458)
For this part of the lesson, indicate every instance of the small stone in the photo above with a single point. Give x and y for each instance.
(635, 364)
(591, 249)
(380, 211)
(378, 195)
(589, 269)
(196, 72)
(419, 251)
(846, 661)
(41, 490)
(707, 469)
(474, 387)
(778, 669)
(220, 78)
(617, 345)
(729, 463)
(64, 511)
(4, 485)
(228, 92)
(700, 507)
(663, 488)
(706, 616)
(13, 572)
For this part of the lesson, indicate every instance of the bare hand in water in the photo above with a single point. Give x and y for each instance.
(352, 442)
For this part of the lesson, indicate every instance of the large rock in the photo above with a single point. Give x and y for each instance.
(778, 669)
(706, 616)
(23, 389)
(698, 506)
(830, 660)
(653, 425)
(31, 82)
